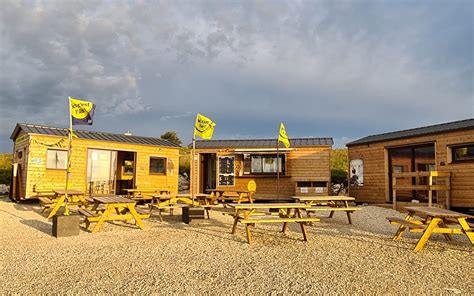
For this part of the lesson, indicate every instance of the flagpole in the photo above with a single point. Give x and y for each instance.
(68, 167)
(192, 161)
(278, 170)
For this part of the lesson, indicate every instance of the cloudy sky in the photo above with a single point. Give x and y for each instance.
(344, 69)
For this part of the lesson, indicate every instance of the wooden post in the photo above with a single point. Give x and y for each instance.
(394, 193)
(278, 170)
(192, 168)
(430, 191)
(448, 191)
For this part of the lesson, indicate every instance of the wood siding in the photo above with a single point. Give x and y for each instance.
(38, 177)
(375, 189)
(302, 164)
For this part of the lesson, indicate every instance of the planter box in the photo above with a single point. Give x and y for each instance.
(192, 213)
(65, 225)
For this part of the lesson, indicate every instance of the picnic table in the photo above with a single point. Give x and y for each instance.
(145, 193)
(76, 197)
(112, 208)
(237, 196)
(328, 203)
(432, 220)
(170, 201)
(249, 214)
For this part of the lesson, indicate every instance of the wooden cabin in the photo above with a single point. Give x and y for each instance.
(101, 163)
(434, 162)
(232, 164)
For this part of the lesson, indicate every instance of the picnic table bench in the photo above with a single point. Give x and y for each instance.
(75, 197)
(173, 201)
(249, 215)
(432, 220)
(328, 203)
(145, 193)
(236, 196)
(112, 208)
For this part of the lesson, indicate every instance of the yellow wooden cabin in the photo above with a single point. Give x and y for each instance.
(409, 164)
(101, 163)
(232, 164)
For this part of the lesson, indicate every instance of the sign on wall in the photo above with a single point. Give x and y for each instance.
(357, 172)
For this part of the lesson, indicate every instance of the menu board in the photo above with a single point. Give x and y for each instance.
(226, 170)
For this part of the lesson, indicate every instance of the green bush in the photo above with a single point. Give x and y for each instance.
(5, 168)
(184, 160)
(338, 176)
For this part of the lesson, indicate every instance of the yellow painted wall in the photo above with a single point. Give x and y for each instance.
(41, 178)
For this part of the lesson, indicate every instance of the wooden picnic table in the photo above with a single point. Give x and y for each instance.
(171, 201)
(248, 214)
(112, 208)
(145, 193)
(432, 220)
(328, 203)
(237, 196)
(76, 197)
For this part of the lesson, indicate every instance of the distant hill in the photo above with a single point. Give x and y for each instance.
(5, 167)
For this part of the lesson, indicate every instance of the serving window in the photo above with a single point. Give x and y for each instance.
(226, 170)
(264, 164)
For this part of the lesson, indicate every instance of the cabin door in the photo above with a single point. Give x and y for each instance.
(207, 172)
(419, 158)
(125, 171)
(101, 171)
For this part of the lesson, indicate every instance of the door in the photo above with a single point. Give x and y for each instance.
(101, 171)
(419, 158)
(208, 172)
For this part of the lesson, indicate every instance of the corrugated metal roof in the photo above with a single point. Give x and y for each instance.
(91, 135)
(262, 143)
(417, 132)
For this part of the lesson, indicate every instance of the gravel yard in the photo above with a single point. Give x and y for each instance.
(172, 257)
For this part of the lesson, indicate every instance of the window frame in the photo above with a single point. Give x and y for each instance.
(452, 153)
(165, 169)
(263, 156)
(56, 168)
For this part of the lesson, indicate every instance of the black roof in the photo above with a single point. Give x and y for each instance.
(262, 143)
(91, 135)
(417, 132)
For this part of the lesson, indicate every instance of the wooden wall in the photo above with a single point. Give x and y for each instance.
(375, 157)
(39, 177)
(302, 164)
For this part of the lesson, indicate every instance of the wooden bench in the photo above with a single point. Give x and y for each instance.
(90, 216)
(316, 209)
(415, 224)
(274, 219)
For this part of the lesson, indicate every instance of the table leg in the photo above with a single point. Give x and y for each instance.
(467, 230)
(285, 224)
(427, 233)
(402, 228)
(236, 220)
(249, 234)
(346, 204)
(447, 236)
(138, 220)
(56, 208)
(302, 225)
(103, 218)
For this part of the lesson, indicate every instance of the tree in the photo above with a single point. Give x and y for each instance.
(171, 136)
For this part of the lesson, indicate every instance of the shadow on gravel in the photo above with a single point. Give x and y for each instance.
(38, 225)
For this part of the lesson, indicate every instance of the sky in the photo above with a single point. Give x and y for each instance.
(341, 69)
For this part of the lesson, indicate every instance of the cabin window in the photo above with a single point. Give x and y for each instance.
(158, 165)
(19, 154)
(128, 167)
(56, 159)
(263, 164)
(463, 153)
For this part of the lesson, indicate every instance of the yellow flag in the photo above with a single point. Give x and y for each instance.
(204, 127)
(283, 137)
(82, 112)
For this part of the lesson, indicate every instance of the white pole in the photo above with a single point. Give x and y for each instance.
(68, 168)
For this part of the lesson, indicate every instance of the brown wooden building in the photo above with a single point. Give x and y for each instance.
(232, 164)
(412, 159)
(101, 163)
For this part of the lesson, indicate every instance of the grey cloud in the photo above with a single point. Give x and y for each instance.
(328, 68)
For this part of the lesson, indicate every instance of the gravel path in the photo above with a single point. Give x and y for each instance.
(204, 258)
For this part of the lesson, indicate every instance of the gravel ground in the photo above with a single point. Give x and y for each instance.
(204, 258)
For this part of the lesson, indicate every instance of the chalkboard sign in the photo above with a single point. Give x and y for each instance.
(226, 170)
